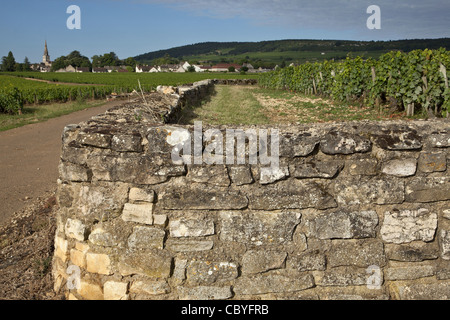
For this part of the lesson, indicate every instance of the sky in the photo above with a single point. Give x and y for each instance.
(133, 27)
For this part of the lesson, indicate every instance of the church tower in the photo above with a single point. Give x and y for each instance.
(46, 57)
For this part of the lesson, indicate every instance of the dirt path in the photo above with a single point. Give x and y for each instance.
(29, 158)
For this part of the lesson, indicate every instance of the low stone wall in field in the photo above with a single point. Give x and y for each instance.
(357, 210)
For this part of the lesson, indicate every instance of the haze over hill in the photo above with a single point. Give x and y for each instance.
(287, 51)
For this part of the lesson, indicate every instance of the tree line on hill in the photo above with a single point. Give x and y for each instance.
(9, 64)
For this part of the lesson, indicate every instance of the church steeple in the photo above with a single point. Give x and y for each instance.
(46, 56)
(46, 49)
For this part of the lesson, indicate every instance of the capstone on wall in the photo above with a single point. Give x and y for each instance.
(357, 210)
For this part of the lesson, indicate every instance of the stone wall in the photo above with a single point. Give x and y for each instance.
(357, 210)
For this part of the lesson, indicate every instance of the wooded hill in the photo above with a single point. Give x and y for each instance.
(288, 51)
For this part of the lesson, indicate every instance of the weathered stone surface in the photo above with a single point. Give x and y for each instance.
(432, 162)
(191, 227)
(398, 139)
(272, 283)
(141, 195)
(189, 245)
(440, 140)
(341, 277)
(152, 263)
(358, 253)
(290, 194)
(444, 240)
(255, 261)
(146, 237)
(308, 261)
(344, 143)
(410, 272)
(400, 168)
(205, 293)
(114, 290)
(74, 172)
(150, 287)
(126, 143)
(420, 291)
(446, 214)
(369, 190)
(97, 140)
(76, 229)
(258, 228)
(241, 175)
(212, 175)
(61, 248)
(210, 272)
(100, 237)
(203, 199)
(409, 225)
(426, 190)
(98, 263)
(139, 213)
(299, 145)
(344, 225)
(413, 252)
(90, 291)
(367, 167)
(271, 175)
(316, 169)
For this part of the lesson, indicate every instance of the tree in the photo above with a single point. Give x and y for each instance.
(9, 63)
(130, 62)
(231, 69)
(74, 59)
(191, 69)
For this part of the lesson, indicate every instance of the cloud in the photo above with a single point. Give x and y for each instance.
(407, 19)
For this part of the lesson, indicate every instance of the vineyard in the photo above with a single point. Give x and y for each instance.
(15, 90)
(416, 82)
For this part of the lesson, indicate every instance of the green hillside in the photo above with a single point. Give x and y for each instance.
(271, 53)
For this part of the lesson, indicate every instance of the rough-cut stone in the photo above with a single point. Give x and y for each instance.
(426, 190)
(413, 252)
(271, 175)
(432, 162)
(290, 194)
(139, 213)
(410, 272)
(316, 169)
(400, 168)
(74, 172)
(203, 199)
(398, 139)
(150, 287)
(255, 261)
(341, 277)
(78, 255)
(212, 175)
(301, 145)
(100, 237)
(76, 229)
(445, 244)
(344, 225)
(141, 195)
(366, 167)
(420, 291)
(61, 248)
(90, 291)
(152, 263)
(241, 175)
(258, 228)
(308, 261)
(191, 227)
(358, 253)
(272, 283)
(146, 237)
(371, 190)
(98, 263)
(97, 140)
(409, 225)
(114, 290)
(210, 272)
(205, 293)
(446, 214)
(440, 140)
(344, 143)
(189, 245)
(126, 143)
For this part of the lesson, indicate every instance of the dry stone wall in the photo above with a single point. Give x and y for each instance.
(357, 210)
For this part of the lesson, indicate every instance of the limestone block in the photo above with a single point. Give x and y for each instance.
(126, 143)
(412, 252)
(440, 140)
(185, 227)
(256, 261)
(114, 290)
(205, 293)
(316, 169)
(98, 263)
(146, 237)
(76, 229)
(358, 253)
(344, 143)
(426, 190)
(409, 225)
(432, 162)
(139, 213)
(400, 168)
(153, 263)
(212, 175)
(100, 237)
(420, 291)
(210, 272)
(342, 277)
(241, 175)
(445, 244)
(97, 140)
(150, 287)
(398, 139)
(298, 145)
(90, 291)
(270, 175)
(74, 172)
(188, 245)
(272, 283)
(410, 272)
(141, 195)
(308, 261)
(61, 248)
(367, 167)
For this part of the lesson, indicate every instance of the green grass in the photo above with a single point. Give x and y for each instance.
(40, 113)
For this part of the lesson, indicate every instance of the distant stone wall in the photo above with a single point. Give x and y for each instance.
(357, 210)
